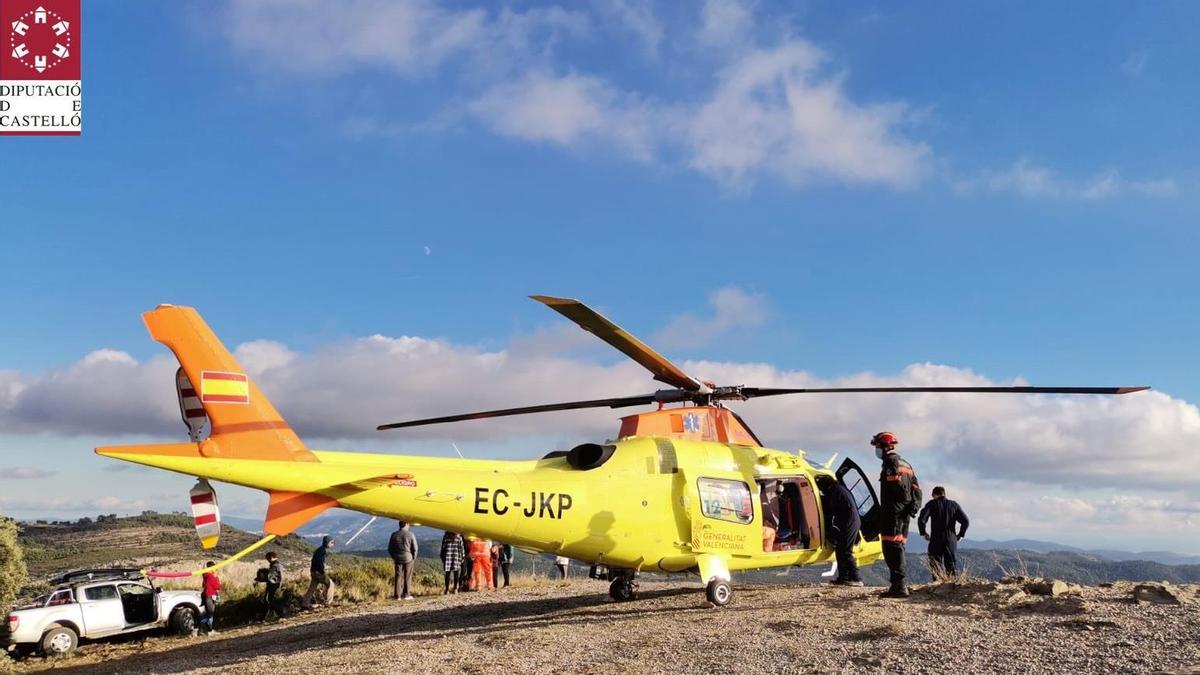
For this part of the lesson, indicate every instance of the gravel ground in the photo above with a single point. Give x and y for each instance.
(574, 627)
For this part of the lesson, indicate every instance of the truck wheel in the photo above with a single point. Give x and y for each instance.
(719, 592)
(59, 641)
(182, 621)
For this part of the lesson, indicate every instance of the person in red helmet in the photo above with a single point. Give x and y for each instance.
(900, 497)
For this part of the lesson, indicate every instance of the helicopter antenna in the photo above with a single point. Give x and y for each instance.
(455, 445)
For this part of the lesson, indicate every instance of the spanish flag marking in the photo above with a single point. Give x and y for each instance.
(218, 387)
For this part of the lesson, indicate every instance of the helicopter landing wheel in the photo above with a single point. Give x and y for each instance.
(719, 592)
(622, 589)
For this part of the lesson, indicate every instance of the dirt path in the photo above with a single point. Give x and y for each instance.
(574, 627)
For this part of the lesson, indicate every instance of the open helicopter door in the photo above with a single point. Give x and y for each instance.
(850, 475)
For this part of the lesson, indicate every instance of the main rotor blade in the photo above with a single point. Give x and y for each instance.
(752, 392)
(622, 402)
(594, 323)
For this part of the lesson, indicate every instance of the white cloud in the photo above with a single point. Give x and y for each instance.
(568, 110)
(638, 18)
(412, 38)
(24, 473)
(732, 308)
(259, 356)
(1108, 520)
(60, 504)
(312, 36)
(769, 110)
(343, 390)
(106, 392)
(726, 24)
(1029, 179)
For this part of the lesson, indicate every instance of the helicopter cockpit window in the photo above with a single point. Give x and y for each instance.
(726, 500)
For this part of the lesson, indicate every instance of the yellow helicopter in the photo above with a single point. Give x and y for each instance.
(681, 489)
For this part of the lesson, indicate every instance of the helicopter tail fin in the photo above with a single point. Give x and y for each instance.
(244, 423)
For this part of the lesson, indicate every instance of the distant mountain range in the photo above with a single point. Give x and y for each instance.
(341, 525)
(1164, 557)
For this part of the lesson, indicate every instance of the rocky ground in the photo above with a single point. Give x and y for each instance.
(1021, 626)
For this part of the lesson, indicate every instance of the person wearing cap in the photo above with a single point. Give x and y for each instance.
(320, 588)
(900, 498)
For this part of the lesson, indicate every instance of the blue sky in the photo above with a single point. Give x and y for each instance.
(1008, 191)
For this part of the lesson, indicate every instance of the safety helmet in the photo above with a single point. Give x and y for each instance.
(884, 439)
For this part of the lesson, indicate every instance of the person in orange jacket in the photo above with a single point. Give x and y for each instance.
(480, 552)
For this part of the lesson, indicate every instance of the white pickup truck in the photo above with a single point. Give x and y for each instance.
(94, 604)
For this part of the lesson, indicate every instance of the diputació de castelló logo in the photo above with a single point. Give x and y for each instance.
(40, 87)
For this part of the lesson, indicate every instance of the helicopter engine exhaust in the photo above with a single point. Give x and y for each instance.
(589, 455)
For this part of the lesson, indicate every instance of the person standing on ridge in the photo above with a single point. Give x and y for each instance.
(506, 561)
(210, 595)
(900, 498)
(402, 547)
(452, 555)
(844, 527)
(495, 563)
(942, 538)
(319, 577)
(479, 550)
(272, 577)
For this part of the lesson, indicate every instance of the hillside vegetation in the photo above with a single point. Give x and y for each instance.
(168, 542)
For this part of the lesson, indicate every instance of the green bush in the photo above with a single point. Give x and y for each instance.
(13, 574)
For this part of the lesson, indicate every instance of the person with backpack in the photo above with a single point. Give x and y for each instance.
(506, 560)
(900, 500)
(272, 577)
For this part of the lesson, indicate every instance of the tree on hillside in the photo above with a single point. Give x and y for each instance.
(13, 574)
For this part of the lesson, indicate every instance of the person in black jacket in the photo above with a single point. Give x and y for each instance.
(272, 577)
(844, 525)
(943, 540)
(320, 588)
(900, 498)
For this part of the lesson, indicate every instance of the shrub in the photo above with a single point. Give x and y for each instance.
(13, 573)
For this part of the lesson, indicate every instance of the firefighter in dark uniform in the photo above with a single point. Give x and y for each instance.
(945, 514)
(900, 498)
(844, 525)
